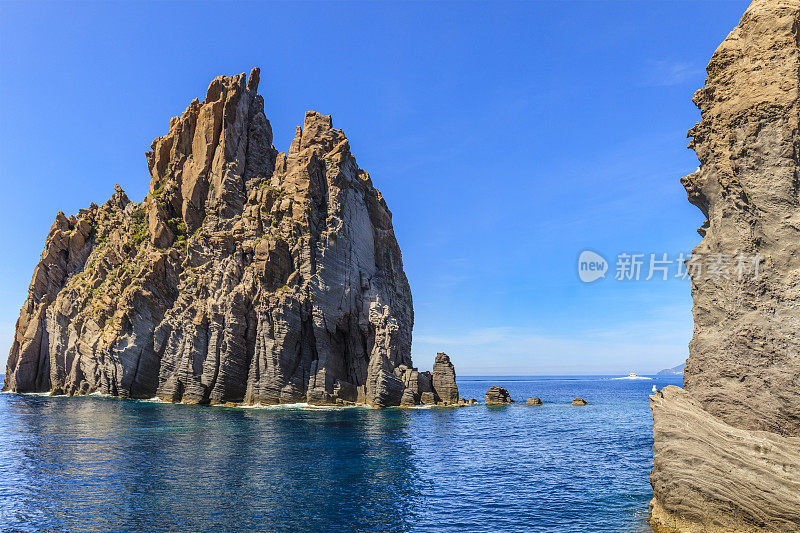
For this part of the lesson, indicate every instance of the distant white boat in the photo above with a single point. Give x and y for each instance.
(633, 375)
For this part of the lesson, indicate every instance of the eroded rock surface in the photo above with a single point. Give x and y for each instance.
(744, 357)
(244, 275)
(711, 476)
(725, 452)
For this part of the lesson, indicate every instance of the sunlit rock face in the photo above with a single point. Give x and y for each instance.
(244, 275)
(732, 437)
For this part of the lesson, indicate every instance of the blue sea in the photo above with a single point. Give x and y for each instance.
(104, 464)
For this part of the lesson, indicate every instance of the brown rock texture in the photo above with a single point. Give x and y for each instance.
(579, 401)
(725, 453)
(245, 275)
(497, 396)
(711, 476)
(744, 357)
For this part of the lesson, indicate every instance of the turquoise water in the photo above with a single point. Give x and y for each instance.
(102, 464)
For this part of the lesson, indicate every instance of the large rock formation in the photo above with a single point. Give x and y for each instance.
(244, 275)
(727, 449)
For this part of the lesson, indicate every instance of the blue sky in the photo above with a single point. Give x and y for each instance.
(506, 138)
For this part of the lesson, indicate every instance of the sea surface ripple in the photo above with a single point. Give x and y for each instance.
(102, 464)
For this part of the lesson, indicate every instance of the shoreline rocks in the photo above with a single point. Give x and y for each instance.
(533, 401)
(579, 401)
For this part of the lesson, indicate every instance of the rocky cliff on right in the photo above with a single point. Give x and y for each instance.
(727, 447)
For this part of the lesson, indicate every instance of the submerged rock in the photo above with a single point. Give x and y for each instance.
(727, 449)
(245, 275)
(498, 396)
(579, 401)
(533, 401)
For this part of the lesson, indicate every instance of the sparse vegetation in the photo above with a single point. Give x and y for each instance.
(277, 191)
(138, 228)
(178, 227)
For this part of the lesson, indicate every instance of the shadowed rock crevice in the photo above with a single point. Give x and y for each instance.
(244, 275)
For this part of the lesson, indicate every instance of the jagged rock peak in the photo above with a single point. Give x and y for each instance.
(245, 275)
(727, 448)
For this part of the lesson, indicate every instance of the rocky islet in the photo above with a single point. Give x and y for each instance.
(245, 275)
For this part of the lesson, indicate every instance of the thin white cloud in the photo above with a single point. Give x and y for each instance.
(667, 73)
(643, 347)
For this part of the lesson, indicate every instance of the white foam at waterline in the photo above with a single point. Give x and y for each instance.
(260, 406)
(301, 405)
(154, 399)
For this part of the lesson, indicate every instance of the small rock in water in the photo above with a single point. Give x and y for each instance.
(579, 401)
(497, 396)
(534, 401)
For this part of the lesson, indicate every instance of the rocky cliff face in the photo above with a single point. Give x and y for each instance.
(244, 275)
(727, 449)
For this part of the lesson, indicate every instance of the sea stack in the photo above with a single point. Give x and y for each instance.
(245, 275)
(444, 379)
(727, 446)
